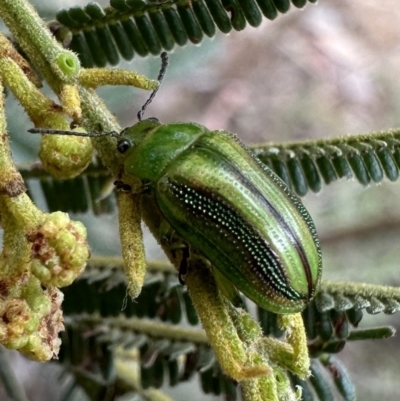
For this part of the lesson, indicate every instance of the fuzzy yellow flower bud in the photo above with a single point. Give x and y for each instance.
(59, 250)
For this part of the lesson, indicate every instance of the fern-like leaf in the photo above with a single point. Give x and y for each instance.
(98, 319)
(100, 36)
(306, 165)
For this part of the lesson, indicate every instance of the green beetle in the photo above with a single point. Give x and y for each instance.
(225, 206)
(229, 208)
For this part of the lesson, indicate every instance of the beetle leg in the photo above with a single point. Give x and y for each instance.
(184, 265)
(167, 235)
(145, 188)
(121, 186)
(169, 238)
(296, 337)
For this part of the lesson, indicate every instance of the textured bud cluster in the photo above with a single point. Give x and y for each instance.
(59, 250)
(31, 321)
(51, 255)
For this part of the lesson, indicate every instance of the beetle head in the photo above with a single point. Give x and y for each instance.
(133, 136)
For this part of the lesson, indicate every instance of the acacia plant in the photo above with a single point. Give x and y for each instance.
(124, 325)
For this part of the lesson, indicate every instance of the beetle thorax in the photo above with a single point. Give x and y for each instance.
(151, 154)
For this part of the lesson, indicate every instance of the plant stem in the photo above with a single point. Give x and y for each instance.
(365, 290)
(145, 326)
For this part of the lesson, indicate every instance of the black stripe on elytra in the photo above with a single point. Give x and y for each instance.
(293, 198)
(294, 240)
(260, 258)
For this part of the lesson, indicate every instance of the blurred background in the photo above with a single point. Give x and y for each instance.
(329, 70)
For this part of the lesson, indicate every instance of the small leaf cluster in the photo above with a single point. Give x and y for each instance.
(100, 36)
(97, 319)
(307, 165)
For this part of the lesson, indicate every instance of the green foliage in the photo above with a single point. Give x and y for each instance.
(97, 318)
(306, 165)
(100, 35)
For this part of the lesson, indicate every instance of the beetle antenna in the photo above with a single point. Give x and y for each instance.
(163, 69)
(73, 133)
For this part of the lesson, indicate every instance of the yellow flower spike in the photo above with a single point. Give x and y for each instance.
(278, 352)
(248, 329)
(282, 356)
(95, 77)
(285, 391)
(296, 336)
(70, 101)
(231, 352)
(275, 385)
(260, 389)
(65, 156)
(59, 250)
(251, 392)
(130, 232)
(293, 354)
(56, 246)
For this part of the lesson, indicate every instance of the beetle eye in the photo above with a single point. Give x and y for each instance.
(123, 145)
